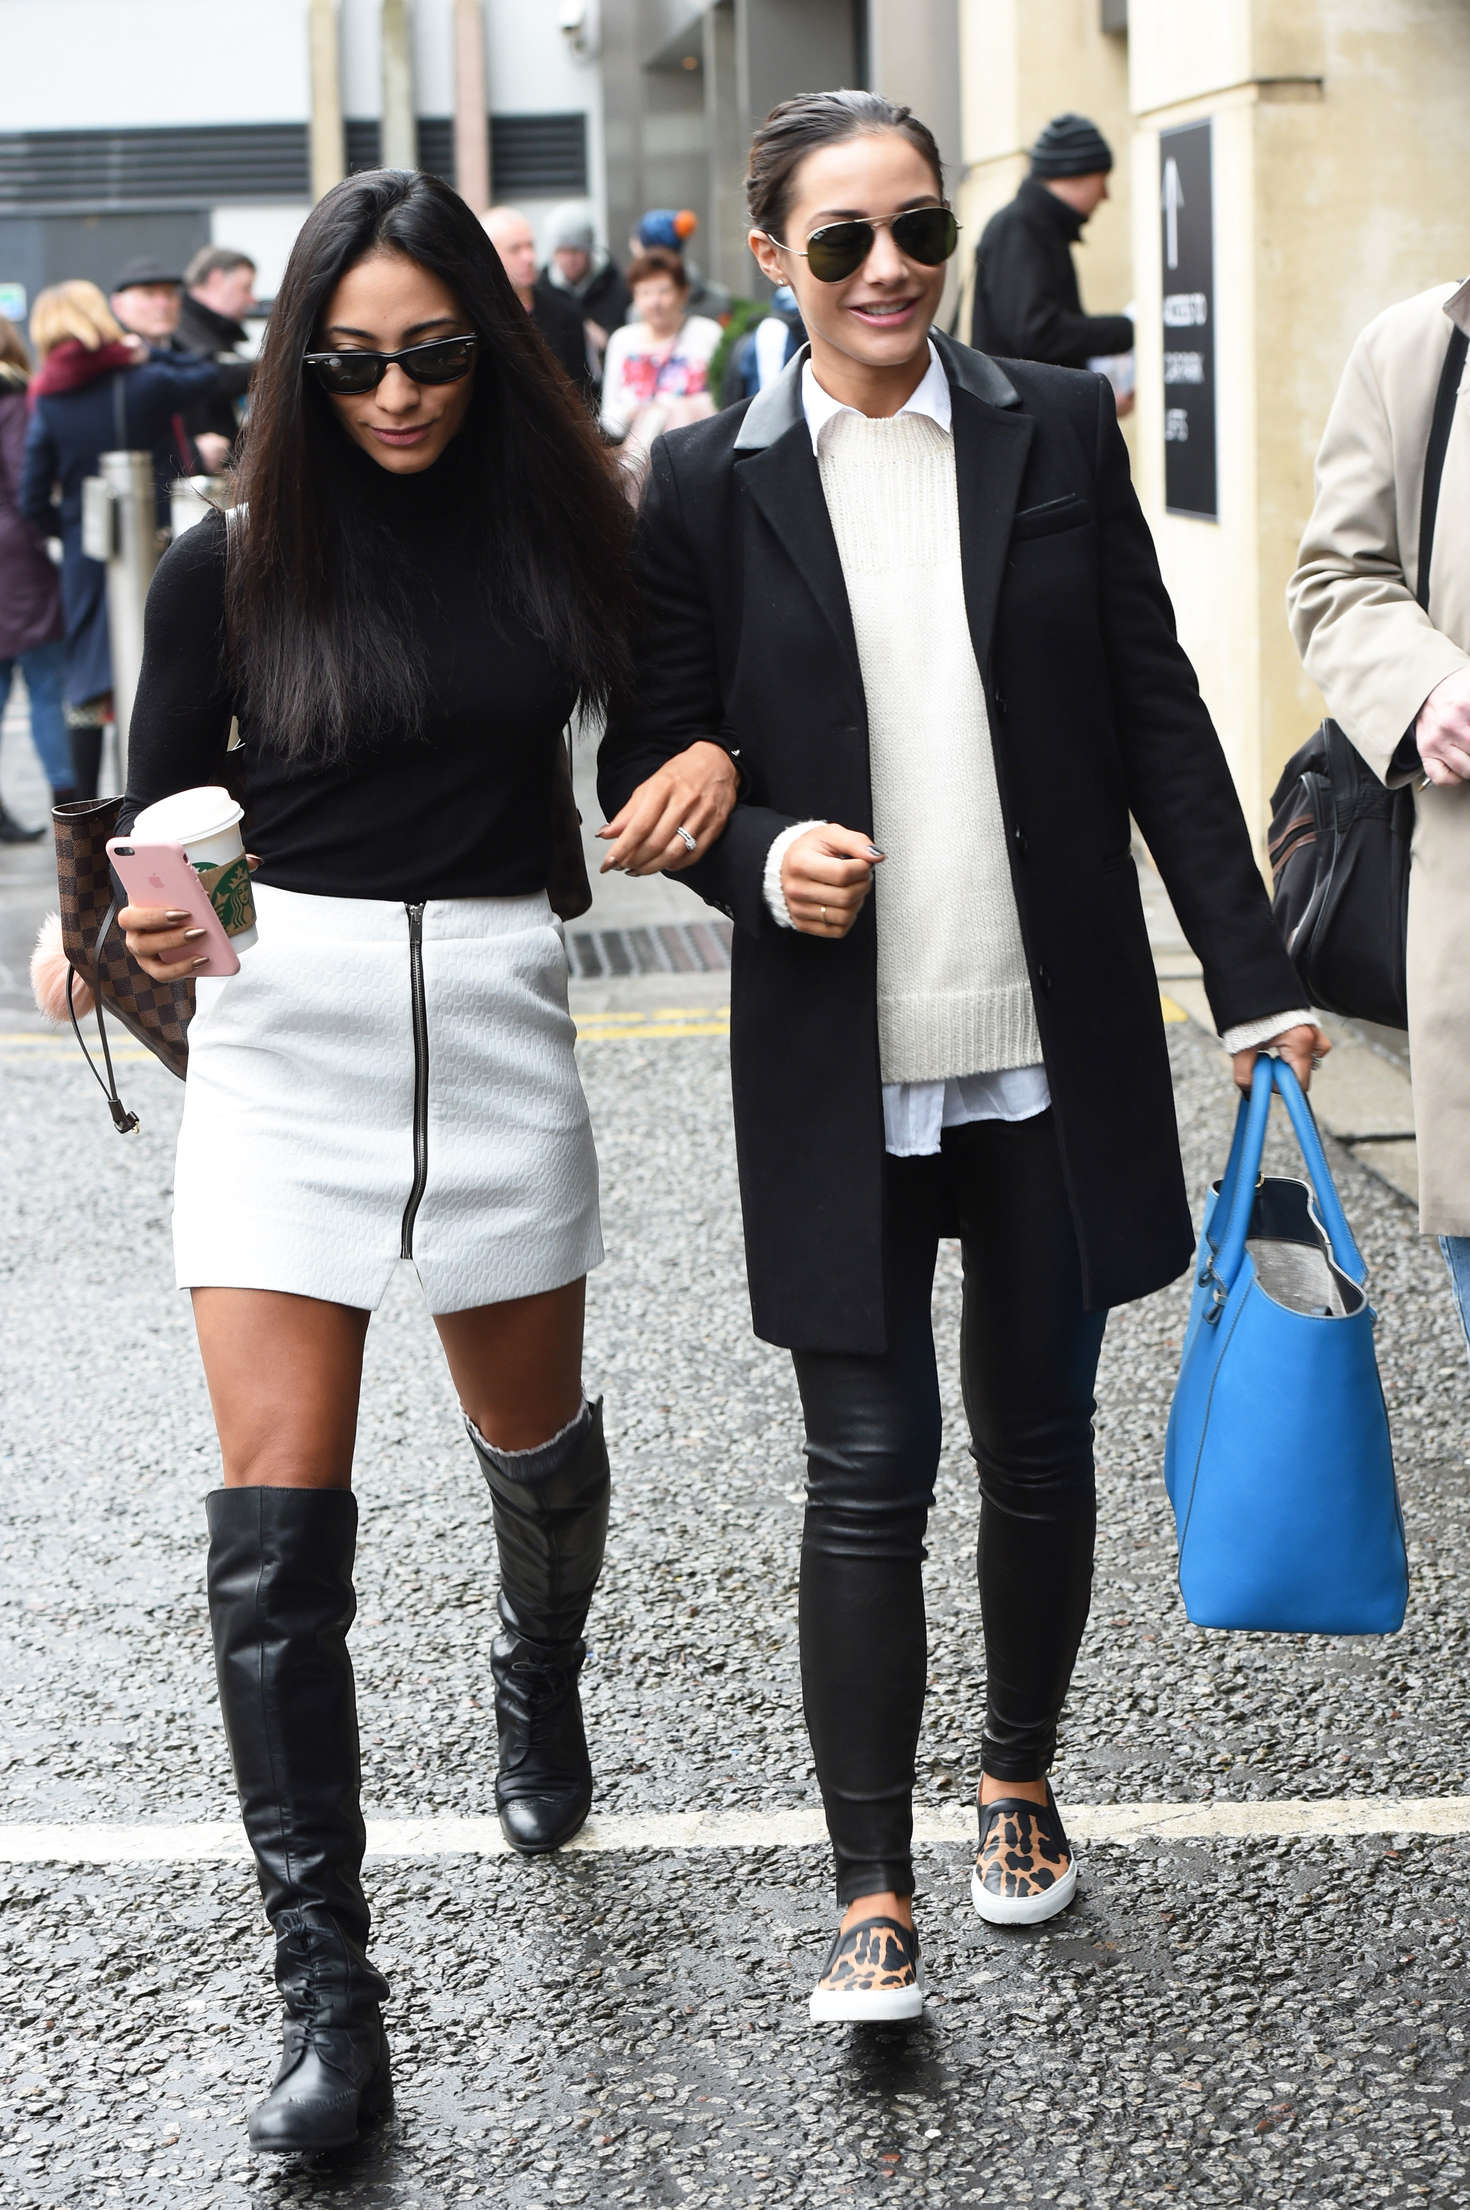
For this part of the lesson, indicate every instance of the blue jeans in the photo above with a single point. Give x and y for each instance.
(1456, 1249)
(42, 667)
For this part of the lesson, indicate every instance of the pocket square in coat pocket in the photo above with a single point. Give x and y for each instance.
(1068, 512)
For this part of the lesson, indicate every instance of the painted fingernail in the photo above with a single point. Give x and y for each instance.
(192, 935)
(201, 961)
(176, 916)
(874, 853)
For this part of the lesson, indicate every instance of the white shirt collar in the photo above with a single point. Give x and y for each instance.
(931, 398)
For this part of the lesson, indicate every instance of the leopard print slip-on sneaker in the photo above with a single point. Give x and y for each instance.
(1024, 1868)
(872, 1976)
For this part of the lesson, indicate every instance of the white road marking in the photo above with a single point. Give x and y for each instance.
(1101, 1824)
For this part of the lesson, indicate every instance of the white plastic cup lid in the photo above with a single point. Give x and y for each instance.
(189, 816)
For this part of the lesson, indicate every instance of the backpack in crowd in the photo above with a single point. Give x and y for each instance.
(1339, 841)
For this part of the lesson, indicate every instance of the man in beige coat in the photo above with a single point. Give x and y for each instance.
(1398, 681)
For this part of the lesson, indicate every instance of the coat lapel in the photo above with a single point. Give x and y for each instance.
(992, 440)
(785, 484)
(990, 448)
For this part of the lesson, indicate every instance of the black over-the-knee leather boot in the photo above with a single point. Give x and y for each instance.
(550, 1508)
(280, 1604)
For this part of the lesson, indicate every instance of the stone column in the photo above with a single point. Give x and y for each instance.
(400, 135)
(327, 133)
(725, 252)
(471, 105)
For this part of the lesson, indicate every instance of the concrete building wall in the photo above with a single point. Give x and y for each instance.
(1341, 176)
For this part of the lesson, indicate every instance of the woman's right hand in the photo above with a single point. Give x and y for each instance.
(165, 944)
(825, 877)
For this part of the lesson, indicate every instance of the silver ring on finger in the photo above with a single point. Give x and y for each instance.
(691, 842)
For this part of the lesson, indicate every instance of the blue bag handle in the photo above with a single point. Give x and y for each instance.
(1275, 1076)
(1226, 1196)
(1245, 1154)
(1344, 1246)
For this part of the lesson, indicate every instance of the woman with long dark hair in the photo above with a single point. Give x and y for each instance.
(914, 586)
(426, 572)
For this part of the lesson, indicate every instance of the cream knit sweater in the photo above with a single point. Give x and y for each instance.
(954, 997)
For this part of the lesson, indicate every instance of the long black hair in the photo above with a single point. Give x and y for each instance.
(318, 638)
(798, 127)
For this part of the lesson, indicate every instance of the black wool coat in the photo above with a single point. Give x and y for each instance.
(1094, 712)
(1026, 303)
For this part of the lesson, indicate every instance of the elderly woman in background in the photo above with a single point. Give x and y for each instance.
(655, 375)
(30, 594)
(96, 391)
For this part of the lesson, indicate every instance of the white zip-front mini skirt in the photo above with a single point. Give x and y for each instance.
(382, 1082)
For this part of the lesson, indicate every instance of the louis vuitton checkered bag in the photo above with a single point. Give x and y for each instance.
(155, 1013)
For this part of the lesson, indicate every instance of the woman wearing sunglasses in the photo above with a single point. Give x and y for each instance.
(428, 569)
(913, 586)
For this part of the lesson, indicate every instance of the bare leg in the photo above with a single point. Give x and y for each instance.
(284, 1375)
(518, 1365)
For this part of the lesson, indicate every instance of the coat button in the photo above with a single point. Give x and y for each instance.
(1022, 846)
(1043, 981)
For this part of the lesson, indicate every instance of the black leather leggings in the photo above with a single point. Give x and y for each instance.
(1028, 1354)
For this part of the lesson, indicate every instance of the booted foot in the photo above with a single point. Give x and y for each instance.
(872, 1976)
(1024, 1868)
(334, 2079)
(543, 1790)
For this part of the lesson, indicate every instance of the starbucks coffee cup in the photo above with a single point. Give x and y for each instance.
(207, 823)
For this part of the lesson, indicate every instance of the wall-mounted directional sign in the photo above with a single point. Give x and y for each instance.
(1187, 225)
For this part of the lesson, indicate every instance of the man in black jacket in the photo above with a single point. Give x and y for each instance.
(1027, 306)
(554, 313)
(219, 291)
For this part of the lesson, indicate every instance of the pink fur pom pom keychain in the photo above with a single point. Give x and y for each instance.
(49, 971)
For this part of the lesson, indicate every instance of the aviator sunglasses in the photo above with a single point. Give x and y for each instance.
(928, 235)
(440, 361)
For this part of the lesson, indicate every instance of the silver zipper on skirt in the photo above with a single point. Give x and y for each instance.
(420, 1075)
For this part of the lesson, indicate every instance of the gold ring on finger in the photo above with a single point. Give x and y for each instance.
(824, 916)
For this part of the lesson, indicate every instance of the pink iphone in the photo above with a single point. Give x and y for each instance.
(160, 875)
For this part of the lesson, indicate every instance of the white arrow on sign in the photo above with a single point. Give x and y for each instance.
(1171, 200)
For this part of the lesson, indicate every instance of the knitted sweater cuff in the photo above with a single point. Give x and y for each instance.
(1250, 1034)
(775, 896)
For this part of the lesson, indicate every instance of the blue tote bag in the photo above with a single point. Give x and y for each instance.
(1278, 1463)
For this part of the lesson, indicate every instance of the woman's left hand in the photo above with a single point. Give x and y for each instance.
(1303, 1048)
(695, 791)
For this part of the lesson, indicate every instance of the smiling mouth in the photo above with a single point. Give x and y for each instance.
(884, 313)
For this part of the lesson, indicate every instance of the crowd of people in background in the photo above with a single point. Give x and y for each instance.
(164, 361)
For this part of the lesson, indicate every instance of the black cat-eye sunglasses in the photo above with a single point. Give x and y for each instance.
(440, 361)
(928, 235)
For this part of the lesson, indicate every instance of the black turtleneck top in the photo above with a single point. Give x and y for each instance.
(461, 809)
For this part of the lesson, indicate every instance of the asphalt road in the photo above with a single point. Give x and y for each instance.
(1217, 2021)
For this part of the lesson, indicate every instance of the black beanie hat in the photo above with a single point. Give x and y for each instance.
(1070, 146)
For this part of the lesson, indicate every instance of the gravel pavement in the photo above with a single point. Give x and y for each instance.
(1214, 2023)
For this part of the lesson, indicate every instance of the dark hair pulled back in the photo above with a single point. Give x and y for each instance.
(319, 631)
(798, 127)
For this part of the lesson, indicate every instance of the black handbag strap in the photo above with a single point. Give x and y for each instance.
(122, 1120)
(1439, 439)
(120, 409)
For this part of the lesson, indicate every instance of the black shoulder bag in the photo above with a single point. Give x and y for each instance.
(1339, 841)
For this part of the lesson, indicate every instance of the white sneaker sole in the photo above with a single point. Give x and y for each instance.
(1023, 1910)
(889, 2006)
